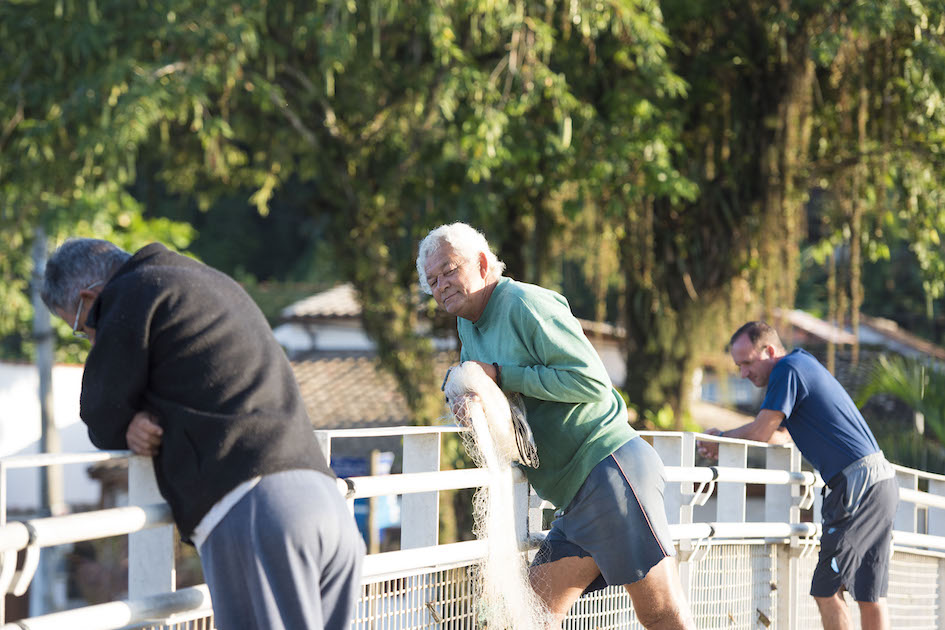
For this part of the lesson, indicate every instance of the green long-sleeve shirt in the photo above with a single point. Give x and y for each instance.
(576, 415)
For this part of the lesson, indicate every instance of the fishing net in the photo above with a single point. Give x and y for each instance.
(499, 436)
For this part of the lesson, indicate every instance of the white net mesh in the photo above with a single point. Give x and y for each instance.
(506, 599)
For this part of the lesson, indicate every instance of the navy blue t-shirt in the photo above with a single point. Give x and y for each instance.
(819, 414)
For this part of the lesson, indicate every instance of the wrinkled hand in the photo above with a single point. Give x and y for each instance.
(710, 449)
(489, 369)
(144, 434)
(459, 408)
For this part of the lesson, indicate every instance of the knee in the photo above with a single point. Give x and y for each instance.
(664, 614)
(833, 602)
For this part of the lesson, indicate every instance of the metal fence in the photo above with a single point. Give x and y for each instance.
(745, 555)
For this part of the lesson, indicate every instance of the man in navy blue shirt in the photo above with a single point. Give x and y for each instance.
(805, 402)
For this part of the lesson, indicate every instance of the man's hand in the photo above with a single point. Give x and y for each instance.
(144, 434)
(489, 369)
(460, 408)
(710, 450)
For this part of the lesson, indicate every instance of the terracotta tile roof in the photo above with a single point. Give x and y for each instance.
(350, 390)
(339, 301)
(816, 326)
(886, 333)
(891, 330)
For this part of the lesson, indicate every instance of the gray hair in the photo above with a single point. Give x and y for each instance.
(75, 265)
(465, 241)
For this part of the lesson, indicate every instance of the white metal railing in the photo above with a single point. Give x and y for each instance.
(727, 560)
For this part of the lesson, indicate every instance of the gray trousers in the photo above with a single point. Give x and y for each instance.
(287, 556)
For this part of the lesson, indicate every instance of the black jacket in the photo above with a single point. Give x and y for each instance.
(185, 342)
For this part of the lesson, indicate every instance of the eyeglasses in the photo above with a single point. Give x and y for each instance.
(78, 313)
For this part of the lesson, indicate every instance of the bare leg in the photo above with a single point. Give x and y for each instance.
(658, 599)
(874, 615)
(834, 613)
(561, 582)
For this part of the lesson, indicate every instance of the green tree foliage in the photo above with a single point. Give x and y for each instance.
(921, 385)
(397, 116)
(876, 148)
(67, 144)
(679, 137)
(783, 98)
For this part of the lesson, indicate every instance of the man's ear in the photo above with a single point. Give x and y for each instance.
(92, 293)
(483, 265)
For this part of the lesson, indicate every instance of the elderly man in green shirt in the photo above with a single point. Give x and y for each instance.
(606, 482)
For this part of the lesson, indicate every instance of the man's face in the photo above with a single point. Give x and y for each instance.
(753, 363)
(456, 283)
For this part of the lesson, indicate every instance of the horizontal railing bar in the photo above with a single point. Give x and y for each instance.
(59, 530)
(381, 564)
(38, 460)
(702, 437)
(408, 483)
(742, 475)
(921, 474)
(684, 531)
(918, 540)
(121, 613)
(922, 498)
(390, 431)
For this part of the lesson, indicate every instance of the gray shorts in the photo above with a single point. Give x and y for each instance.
(617, 518)
(856, 540)
(287, 556)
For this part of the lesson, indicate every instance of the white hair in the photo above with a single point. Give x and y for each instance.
(465, 240)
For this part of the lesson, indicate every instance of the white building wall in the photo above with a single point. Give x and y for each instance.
(21, 426)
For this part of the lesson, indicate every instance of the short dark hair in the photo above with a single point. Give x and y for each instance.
(759, 333)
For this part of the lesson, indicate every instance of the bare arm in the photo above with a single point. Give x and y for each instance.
(766, 427)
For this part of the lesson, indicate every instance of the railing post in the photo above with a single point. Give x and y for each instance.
(3, 521)
(323, 438)
(676, 450)
(151, 569)
(521, 509)
(730, 503)
(936, 527)
(937, 515)
(679, 450)
(781, 507)
(420, 512)
(906, 513)
(818, 506)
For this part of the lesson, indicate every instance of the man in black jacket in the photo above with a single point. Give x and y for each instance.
(184, 368)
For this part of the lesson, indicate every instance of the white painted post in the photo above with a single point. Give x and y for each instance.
(818, 507)
(906, 514)
(780, 503)
(521, 510)
(679, 450)
(151, 569)
(781, 507)
(940, 604)
(730, 504)
(673, 450)
(420, 512)
(937, 515)
(323, 438)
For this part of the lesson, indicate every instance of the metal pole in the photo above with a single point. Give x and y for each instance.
(52, 498)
